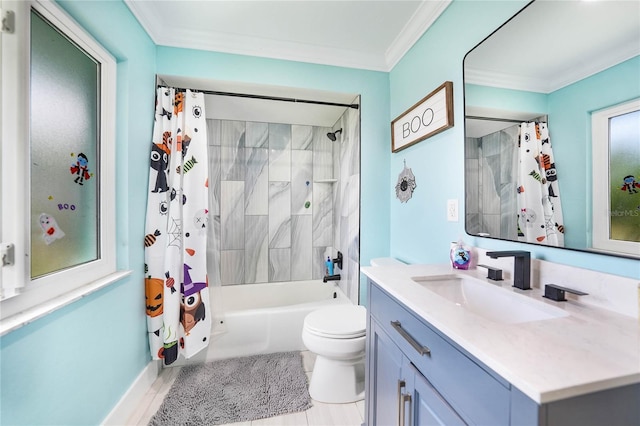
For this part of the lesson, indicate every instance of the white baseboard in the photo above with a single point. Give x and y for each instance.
(132, 397)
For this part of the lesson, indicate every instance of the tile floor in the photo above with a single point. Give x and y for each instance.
(319, 415)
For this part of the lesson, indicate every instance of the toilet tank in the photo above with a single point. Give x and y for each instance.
(386, 261)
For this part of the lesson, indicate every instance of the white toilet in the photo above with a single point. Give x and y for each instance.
(337, 336)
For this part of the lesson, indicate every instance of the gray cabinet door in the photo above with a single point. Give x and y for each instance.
(385, 369)
(427, 406)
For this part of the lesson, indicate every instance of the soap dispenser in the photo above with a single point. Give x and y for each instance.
(460, 255)
(329, 266)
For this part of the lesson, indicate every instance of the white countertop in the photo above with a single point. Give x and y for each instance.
(589, 350)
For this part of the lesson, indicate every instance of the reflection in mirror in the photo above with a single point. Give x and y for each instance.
(616, 154)
(586, 59)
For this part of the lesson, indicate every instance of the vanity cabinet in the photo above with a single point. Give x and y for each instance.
(418, 376)
(401, 395)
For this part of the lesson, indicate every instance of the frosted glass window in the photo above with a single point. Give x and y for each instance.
(624, 178)
(58, 213)
(616, 184)
(64, 131)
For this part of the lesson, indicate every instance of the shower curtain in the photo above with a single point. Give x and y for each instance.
(176, 283)
(538, 197)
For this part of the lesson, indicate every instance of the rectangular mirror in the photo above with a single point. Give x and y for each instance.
(531, 89)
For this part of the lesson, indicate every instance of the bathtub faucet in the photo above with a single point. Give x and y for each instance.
(338, 261)
(327, 278)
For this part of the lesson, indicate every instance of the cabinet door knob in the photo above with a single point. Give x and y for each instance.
(422, 350)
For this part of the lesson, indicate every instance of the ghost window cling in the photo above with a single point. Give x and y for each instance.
(50, 228)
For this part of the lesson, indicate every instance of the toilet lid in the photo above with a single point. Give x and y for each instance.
(338, 322)
(386, 261)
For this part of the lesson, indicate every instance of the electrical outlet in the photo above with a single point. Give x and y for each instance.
(452, 210)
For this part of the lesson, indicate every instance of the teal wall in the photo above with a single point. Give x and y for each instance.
(570, 111)
(420, 232)
(71, 367)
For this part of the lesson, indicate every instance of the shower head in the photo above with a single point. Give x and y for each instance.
(332, 136)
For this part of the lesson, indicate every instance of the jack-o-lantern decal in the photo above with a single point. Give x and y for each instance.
(154, 294)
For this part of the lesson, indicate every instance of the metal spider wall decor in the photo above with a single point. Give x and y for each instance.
(406, 184)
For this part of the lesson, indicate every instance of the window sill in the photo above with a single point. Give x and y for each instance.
(14, 322)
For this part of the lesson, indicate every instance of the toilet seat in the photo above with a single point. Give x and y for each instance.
(337, 322)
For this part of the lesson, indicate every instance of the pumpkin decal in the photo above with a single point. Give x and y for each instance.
(154, 295)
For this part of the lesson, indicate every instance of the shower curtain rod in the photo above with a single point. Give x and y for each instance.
(269, 98)
(505, 120)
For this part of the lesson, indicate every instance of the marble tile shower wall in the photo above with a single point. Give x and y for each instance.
(490, 167)
(346, 214)
(271, 221)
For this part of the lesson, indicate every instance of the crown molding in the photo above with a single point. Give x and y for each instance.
(269, 48)
(150, 21)
(425, 16)
(505, 80)
(579, 70)
(422, 19)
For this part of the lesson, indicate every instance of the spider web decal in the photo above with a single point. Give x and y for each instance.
(175, 233)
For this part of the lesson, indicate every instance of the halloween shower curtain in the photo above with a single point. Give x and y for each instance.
(538, 196)
(176, 284)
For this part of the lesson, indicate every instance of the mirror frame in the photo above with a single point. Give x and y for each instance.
(465, 107)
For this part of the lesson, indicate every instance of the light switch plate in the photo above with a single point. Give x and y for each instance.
(452, 210)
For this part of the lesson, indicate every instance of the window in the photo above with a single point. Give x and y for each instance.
(58, 158)
(616, 183)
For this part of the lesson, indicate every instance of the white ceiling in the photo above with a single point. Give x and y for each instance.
(568, 41)
(364, 34)
(367, 34)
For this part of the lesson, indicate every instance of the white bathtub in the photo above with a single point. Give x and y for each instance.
(264, 318)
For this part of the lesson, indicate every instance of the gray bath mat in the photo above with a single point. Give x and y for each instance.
(235, 390)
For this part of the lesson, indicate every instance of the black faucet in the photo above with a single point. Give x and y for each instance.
(556, 292)
(522, 266)
(335, 277)
(338, 261)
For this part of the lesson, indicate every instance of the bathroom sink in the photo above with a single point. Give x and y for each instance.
(488, 300)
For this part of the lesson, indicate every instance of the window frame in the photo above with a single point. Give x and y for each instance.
(601, 219)
(45, 294)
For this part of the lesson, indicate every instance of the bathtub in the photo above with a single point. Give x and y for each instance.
(263, 318)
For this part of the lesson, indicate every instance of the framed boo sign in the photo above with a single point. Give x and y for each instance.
(431, 115)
